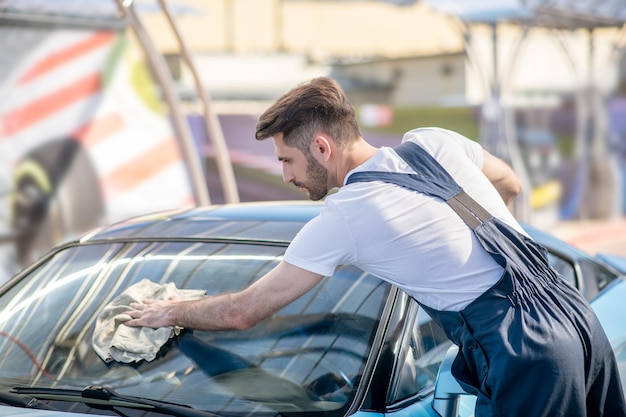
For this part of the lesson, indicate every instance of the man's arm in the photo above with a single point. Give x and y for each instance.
(230, 311)
(502, 177)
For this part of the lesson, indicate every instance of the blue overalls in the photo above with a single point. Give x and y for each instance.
(531, 345)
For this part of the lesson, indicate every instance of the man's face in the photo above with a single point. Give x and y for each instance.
(303, 171)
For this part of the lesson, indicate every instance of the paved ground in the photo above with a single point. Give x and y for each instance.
(594, 236)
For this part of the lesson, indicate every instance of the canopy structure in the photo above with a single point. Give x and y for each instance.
(66, 13)
(81, 13)
(556, 14)
(498, 133)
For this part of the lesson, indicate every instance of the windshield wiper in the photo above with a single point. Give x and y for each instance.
(99, 395)
(23, 401)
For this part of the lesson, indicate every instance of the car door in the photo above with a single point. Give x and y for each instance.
(609, 307)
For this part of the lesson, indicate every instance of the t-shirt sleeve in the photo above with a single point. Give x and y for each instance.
(472, 149)
(322, 244)
(444, 138)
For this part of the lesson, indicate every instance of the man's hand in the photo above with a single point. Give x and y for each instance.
(151, 313)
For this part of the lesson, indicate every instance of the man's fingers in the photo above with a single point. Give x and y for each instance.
(134, 313)
(137, 306)
(147, 313)
(133, 323)
(143, 322)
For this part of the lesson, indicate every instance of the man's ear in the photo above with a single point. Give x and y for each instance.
(322, 146)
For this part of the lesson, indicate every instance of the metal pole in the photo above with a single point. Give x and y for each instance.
(604, 178)
(163, 77)
(211, 121)
(494, 57)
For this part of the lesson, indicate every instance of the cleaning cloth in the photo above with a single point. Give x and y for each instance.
(114, 341)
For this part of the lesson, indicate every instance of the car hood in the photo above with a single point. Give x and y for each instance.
(27, 412)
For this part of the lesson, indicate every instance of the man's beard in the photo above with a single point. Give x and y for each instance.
(317, 182)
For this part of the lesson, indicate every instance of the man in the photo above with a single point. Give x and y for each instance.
(526, 349)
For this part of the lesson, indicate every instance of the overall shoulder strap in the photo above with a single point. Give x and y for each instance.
(430, 179)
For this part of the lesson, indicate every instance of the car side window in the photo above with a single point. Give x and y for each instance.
(564, 267)
(418, 366)
(590, 278)
(601, 274)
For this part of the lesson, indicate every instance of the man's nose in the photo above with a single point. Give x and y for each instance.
(287, 175)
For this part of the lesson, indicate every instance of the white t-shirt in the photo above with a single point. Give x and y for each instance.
(409, 239)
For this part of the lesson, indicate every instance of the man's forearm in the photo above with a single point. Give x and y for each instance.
(507, 190)
(219, 312)
(502, 176)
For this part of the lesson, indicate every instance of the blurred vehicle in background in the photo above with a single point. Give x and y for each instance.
(353, 345)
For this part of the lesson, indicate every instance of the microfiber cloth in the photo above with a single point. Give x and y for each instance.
(113, 341)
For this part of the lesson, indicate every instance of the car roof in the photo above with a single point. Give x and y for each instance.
(270, 221)
(261, 221)
(219, 221)
(556, 245)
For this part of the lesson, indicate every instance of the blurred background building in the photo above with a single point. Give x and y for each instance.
(156, 100)
(530, 79)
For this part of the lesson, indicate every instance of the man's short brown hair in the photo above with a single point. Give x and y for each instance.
(316, 106)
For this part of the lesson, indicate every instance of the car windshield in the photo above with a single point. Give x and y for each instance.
(306, 358)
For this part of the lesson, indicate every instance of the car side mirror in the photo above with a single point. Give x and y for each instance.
(448, 392)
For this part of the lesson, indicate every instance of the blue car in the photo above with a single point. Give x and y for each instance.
(353, 345)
